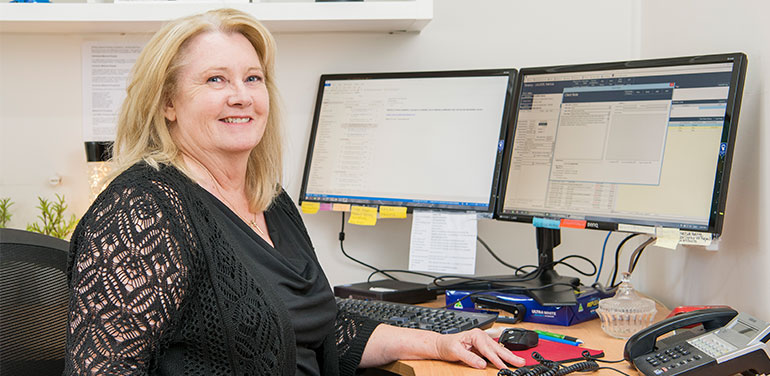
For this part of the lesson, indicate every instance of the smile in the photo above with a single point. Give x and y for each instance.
(236, 120)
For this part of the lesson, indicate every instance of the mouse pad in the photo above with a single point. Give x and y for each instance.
(556, 351)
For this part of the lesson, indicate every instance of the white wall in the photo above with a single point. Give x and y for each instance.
(737, 274)
(40, 117)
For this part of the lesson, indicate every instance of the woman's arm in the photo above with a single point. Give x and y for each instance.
(389, 343)
(127, 282)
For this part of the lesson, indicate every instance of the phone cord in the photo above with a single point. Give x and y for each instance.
(550, 368)
(588, 365)
(524, 371)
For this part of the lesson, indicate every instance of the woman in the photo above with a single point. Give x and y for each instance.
(194, 260)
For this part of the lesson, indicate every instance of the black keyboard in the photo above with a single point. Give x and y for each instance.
(410, 316)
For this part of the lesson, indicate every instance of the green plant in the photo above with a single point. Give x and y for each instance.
(52, 218)
(5, 212)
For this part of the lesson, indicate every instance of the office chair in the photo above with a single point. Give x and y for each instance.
(33, 303)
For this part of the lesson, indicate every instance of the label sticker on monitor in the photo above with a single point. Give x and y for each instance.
(309, 207)
(547, 223)
(636, 229)
(573, 223)
(695, 238)
(325, 206)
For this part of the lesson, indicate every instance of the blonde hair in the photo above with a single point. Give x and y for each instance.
(142, 129)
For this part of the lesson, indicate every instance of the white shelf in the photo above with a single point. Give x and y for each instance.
(146, 17)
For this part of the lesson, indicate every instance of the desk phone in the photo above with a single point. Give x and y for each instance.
(739, 346)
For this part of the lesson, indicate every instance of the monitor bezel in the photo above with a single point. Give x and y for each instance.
(729, 131)
(511, 73)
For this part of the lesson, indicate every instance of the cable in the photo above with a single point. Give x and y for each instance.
(560, 261)
(383, 271)
(614, 369)
(478, 238)
(524, 371)
(601, 260)
(586, 259)
(554, 368)
(483, 243)
(527, 277)
(637, 253)
(588, 357)
(534, 274)
(617, 259)
(586, 366)
(342, 239)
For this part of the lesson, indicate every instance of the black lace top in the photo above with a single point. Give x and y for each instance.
(157, 289)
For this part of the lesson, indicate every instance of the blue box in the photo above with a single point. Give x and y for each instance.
(587, 298)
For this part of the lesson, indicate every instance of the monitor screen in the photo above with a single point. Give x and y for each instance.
(430, 140)
(626, 146)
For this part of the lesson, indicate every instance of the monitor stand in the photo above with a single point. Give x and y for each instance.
(559, 295)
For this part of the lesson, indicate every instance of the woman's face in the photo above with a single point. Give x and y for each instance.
(221, 102)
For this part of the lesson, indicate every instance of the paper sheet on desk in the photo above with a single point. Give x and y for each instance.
(443, 242)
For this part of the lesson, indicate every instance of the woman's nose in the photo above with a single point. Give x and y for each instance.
(239, 95)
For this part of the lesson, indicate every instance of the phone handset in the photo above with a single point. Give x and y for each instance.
(643, 342)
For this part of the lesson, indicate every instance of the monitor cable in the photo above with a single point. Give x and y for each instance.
(342, 248)
(601, 260)
(638, 253)
(534, 274)
(382, 271)
(616, 267)
(495, 256)
(518, 270)
(537, 271)
(436, 279)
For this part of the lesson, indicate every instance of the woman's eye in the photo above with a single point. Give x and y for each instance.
(254, 78)
(216, 79)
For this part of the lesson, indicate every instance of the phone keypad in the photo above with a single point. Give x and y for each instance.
(712, 345)
(671, 359)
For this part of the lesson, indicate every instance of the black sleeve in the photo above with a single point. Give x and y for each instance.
(352, 334)
(128, 281)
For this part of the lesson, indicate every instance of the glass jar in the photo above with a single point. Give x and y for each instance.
(625, 313)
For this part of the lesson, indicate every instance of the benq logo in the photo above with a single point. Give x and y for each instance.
(592, 225)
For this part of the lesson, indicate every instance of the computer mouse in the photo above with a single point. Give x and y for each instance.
(516, 339)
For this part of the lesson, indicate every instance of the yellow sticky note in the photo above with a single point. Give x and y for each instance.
(310, 207)
(363, 215)
(392, 211)
(341, 207)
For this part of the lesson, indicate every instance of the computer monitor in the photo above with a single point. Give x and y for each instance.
(631, 146)
(420, 140)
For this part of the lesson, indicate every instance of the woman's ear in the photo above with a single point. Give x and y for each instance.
(169, 111)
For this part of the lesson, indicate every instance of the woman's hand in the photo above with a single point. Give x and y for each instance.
(469, 347)
(388, 343)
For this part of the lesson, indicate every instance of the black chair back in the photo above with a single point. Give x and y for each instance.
(33, 303)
